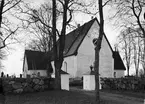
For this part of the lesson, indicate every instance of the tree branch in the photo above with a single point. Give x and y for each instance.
(4, 40)
(12, 6)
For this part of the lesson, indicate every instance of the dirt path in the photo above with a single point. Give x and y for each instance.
(112, 98)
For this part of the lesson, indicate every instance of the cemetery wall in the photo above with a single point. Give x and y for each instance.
(22, 85)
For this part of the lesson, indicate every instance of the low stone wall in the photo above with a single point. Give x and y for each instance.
(20, 85)
(134, 84)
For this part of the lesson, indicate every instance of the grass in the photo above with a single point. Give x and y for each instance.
(57, 97)
(126, 93)
(49, 97)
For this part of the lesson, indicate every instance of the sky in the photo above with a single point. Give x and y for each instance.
(13, 64)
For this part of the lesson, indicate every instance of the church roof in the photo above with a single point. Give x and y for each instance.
(37, 60)
(118, 63)
(74, 39)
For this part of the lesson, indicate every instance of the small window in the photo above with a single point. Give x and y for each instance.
(65, 66)
(114, 74)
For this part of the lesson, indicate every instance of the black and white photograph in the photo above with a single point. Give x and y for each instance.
(72, 51)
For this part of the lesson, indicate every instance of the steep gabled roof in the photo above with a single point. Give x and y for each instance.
(40, 60)
(118, 63)
(75, 38)
(37, 60)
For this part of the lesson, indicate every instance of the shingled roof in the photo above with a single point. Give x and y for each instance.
(37, 60)
(118, 63)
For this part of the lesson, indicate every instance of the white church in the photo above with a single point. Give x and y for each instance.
(79, 55)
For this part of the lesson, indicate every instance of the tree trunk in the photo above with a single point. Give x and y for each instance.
(59, 48)
(58, 65)
(57, 62)
(96, 68)
(97, 51)
(143, 59)
(1, 10)
(127, 71)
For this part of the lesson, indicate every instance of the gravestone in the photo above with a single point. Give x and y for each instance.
(2, 74)
(20, 75)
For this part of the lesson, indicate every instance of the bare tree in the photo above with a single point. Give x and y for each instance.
(126, 47)
(2, 57)
(97, 43)
(40, 44)
(6, 29)
(62, 10)
(137, 53)
(143, 55)
(58, 49)
(37, 22)
(129, 13)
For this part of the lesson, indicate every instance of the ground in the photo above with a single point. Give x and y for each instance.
(75, 96)
(2, 99)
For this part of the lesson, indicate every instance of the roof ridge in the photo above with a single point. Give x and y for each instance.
(76, 37)
(78, 34)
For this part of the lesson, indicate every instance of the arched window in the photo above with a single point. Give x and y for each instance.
(114, 74)
(65, 66)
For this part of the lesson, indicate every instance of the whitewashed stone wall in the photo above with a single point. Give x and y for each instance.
(35, 72)
(86, 55)
(71, 67)
(65, 82)
(25, 68)
(80, 64)
(106, 60)
(86, 52)
(89, 82)
(119, 73)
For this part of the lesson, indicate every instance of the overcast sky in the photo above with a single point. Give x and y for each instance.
(14, 62)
